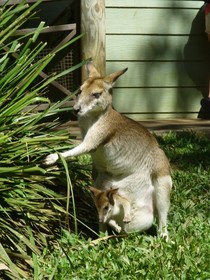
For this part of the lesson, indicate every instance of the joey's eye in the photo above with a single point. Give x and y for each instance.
(106, 208)
(96, 94)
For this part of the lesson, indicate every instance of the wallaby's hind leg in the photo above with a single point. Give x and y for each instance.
(162, 191)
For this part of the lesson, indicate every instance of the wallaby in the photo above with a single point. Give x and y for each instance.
(125, 155)
(113, 209)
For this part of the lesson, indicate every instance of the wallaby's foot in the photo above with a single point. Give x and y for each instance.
(164, 235)
(51, 159)
(127, 219)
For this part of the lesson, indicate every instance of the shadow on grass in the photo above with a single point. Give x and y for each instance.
(186, 150)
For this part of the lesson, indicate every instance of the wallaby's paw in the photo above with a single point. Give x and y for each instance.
(51, 159)
(127, 219)
(118, 229)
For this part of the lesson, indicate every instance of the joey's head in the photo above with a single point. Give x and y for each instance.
(94, 96)
(104, 202)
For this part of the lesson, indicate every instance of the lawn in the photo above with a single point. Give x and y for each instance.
(145, 255)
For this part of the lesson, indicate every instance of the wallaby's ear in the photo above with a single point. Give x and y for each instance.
(110, 79)
(110, 194)
(91, 70)
(94, 191)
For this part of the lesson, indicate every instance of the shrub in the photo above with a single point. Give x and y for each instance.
(31, 205)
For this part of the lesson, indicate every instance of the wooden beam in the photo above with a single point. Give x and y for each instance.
(93, 25)
(47, 29)
(44, 106)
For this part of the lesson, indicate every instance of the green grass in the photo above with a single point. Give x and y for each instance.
(142, 256)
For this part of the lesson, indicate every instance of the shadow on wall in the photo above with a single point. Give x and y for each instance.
(187, 61)
(197, 49)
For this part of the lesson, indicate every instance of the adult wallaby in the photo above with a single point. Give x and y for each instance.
(125, 155)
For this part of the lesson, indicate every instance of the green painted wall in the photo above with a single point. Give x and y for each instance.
(164, 45)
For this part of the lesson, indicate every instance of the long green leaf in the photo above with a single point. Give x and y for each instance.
(70, 194)
(8, 31)
(16, 271)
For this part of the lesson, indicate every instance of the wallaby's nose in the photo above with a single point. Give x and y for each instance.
(76, 109)
(100, 220)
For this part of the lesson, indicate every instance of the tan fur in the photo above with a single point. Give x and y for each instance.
(125, 155)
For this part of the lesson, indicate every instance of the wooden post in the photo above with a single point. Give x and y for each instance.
(93, 25)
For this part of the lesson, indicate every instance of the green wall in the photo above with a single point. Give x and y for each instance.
(164, 45)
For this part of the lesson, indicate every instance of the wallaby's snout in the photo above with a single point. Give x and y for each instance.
(76, 110)
(101, 218)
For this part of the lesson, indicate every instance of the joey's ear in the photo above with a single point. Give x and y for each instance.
(91, 70)
(110, 79)
(94, 191)
(110, 194)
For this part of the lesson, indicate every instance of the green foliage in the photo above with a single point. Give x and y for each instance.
(142, 256)
(31, 205)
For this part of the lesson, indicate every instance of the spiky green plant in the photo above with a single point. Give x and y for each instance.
(31, 205)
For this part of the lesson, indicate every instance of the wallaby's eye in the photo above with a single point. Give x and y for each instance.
(96, 94)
